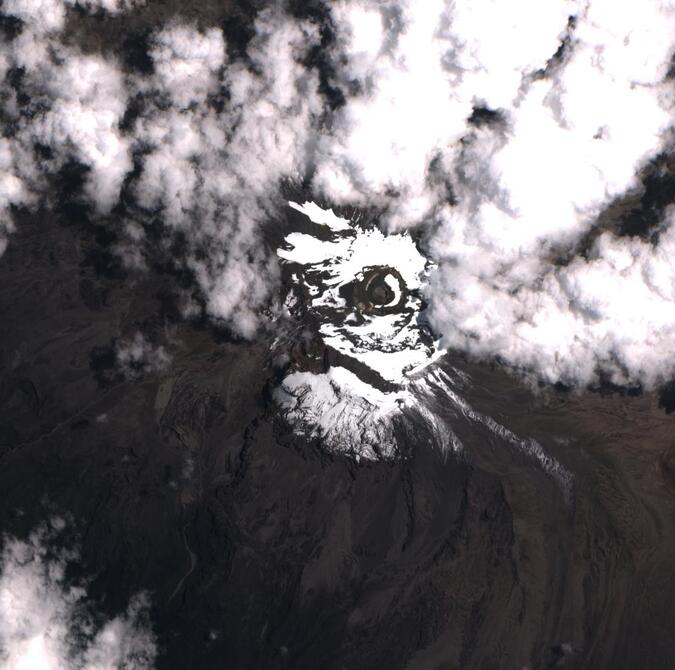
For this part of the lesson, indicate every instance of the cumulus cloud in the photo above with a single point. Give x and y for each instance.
(608, 313)
(419, 72)
(571, 146)
(46, 622)
(107, 6)
(17, 168)
(138, 356)
(213, 138)
(213, 158)
(87, 100)
(12, 191)
(65, 106)
(578, 100)
(40, 16)
(503, 131)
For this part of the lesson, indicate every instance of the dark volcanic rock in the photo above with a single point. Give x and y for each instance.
(261, 551)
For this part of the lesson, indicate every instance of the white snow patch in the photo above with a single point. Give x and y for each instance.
(324, 217)
(348, 414)
(390, 344)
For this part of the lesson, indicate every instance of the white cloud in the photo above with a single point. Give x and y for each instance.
(419, 88)
(215, 174)
(88, 100)
(17, 168)
(187, 63)
(41, 16)
(211, 163)
(76, 103)
(568, 143)
(612, 311)
(12, 191)
(47, 623)
(572, 145)
(215, 138)
(108, 6)
(138, 356)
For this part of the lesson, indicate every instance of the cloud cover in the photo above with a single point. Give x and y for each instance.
(502, 130)
(47, 623)
(214, 156)
(137, 356)
(64, 105)
(212, 139)
(568, 135)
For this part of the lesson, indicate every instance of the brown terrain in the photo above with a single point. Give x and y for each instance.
(262, 551)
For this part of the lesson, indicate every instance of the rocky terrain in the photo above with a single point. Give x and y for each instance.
(157, 436)
(498, 523)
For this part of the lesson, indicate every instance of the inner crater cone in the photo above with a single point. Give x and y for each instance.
(381, 289)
